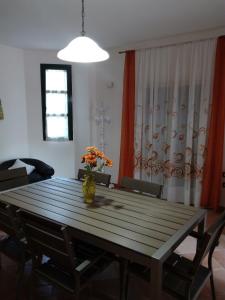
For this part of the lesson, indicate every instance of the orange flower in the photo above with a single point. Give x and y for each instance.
(83, 158)
(92, 162)
(91, 149)
(100, 154)
(108, 162)
(91, 158)
(87, 157)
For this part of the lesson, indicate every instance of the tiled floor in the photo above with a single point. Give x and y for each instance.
(106, 287)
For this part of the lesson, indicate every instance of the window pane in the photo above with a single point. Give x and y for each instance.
(56, 80)
(57, 127)
(56, 104)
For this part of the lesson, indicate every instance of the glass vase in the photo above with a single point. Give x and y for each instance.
(89, 188)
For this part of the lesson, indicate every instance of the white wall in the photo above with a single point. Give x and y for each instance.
(13, 129)
(23, 125)
(89, 91)
(63, 156)
(84, 94)
(60, 155)
(111, 73)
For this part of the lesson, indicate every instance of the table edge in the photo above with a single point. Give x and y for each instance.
(168, 247)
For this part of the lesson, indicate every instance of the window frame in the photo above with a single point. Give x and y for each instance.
(68, 69)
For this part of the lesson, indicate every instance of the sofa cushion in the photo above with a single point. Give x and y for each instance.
(41, 167)
(7, 164)
(35, 177)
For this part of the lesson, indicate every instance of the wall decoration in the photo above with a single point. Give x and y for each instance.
(1, 111)
(101, 120)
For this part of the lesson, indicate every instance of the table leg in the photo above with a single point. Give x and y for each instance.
(201, 230)
(156, 280)
(123, 279)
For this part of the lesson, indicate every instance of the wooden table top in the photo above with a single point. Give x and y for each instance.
(139, 223)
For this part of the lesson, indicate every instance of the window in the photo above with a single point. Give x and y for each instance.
(56, 91)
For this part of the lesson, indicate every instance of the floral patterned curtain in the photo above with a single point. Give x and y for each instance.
(172, 108)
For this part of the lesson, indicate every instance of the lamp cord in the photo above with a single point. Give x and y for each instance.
(83, 15)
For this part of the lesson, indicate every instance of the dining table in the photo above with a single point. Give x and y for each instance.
(132, 226)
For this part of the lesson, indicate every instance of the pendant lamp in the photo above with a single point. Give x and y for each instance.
(83, 49)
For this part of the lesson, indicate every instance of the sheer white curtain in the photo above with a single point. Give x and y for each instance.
(173, 96)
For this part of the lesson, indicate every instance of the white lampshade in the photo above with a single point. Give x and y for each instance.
(83, 50)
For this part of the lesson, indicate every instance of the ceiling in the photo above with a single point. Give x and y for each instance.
(51, 24)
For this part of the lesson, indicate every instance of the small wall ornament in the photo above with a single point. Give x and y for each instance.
(1, 111)
(101, 120)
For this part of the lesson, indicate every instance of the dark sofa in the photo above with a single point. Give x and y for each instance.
(42, 170)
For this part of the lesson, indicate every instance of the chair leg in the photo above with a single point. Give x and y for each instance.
(127, 286)
(211, 276)
(212, 287)
(77, 290)
(90, 290)
(31, 286)
(123, 279)
(77, 294)
(19, 279)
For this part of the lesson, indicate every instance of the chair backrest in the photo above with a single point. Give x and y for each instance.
(8, 220)
(100, 178)
(13, 178)
(141, 186)
(49, 238)
(209, 241)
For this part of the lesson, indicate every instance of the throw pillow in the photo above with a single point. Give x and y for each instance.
(20, 164)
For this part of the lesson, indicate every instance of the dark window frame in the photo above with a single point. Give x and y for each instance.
(68, 69)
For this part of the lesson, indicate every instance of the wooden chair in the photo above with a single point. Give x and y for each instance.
(100, 178)
(64, 267)
(141, 186)
(13, 244)
(13, 178)
(184, 278)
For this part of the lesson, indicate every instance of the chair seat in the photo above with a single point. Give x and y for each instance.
(55, 275)
(65, 279)
(14, 249)
(174, 284)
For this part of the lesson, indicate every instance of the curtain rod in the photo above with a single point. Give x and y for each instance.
(125, 51)
(167, 45)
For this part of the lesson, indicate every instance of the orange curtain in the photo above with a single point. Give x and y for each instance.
(126, 167)
(212, 176)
